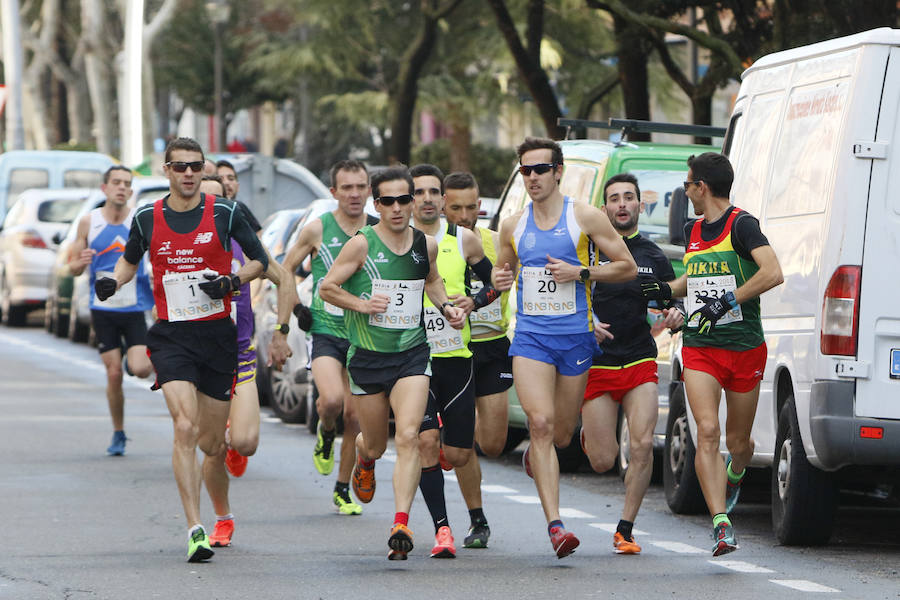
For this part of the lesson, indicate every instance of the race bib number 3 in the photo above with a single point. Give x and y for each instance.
(717, 286)
(125, 296)
(184, 298)
(441, 336)
(405, 306)
(543, 296)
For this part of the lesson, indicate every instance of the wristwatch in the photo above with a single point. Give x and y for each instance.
(585, 274)
(445, 304)
(282, 327)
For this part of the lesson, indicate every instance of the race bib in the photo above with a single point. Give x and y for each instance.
(710, 287)
(184, 298)
(492, 313)
(542, 295)
(405, 306)
(441, 336)
(331, 309)
(124, 297)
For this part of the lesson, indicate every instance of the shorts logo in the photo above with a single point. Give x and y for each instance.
(506, 376)
(582, 361)
(757, 373)
(380, 258)
(204, 237)
(165, 248)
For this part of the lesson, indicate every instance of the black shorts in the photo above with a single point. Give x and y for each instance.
(452, 395)
(329, 345)
(374, 372)
(493, 366)
(119, 329)
(202, 352)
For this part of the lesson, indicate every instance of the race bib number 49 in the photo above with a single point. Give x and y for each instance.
(543, 296)
(405, 305)
(714, 287)
(184, 298)
(441, 336)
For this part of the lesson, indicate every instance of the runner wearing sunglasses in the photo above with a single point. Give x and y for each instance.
(547, 243)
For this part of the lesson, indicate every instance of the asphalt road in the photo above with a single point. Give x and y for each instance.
(81, 525)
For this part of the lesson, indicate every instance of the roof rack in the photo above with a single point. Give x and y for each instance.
(627, 126)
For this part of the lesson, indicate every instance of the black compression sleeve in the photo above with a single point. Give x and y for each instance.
(244, 235)
(746, 235)
(486, 294)
(138, 237)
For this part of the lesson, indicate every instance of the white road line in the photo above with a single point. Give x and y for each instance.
(574, 513)
(679, 548)
(804, 585)
(740, 566)
(498, 489)
(611, 528)
(525, 499)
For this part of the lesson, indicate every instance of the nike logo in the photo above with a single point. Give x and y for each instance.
(582, 361)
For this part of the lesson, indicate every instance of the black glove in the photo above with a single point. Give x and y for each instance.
(715, 309)
(105, 287)
(216, 286)
(654, 289)
(304, 316)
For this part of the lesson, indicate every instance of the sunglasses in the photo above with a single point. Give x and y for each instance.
(539, 168)
(687, 183)
(181, 167)
(389, 200)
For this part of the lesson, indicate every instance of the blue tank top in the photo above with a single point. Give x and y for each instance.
(543, 305)
(108, 243)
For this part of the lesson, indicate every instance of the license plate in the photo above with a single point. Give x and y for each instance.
(895, 363)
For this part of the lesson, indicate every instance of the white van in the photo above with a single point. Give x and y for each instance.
(815, 144)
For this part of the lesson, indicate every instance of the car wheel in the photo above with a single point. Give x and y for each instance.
(683, 493)
(60, 322)
(78, 332)
(48, 315)
(312, 413)
(288, 397)
(804, 498)
(572, 456)
(263, 383)
(11, 315)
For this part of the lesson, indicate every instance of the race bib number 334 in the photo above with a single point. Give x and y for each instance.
(405, 306)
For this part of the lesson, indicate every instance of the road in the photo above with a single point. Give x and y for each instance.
(81, 525)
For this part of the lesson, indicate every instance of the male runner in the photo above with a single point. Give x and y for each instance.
(624, 373)
(490, 356)
(193, 345)
(323, 238)
(99, 242)
(225, 170)
(554, 339)
(729, 264)
(386, 268)
(451, 391)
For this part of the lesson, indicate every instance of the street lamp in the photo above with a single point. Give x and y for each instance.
(218, 11)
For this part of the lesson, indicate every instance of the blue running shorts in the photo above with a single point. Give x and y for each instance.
(570, 353)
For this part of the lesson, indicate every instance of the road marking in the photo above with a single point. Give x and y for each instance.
(525, 499)
(612, 527)
(740, 566)
(574, 513)
(679, 548)
(804, 585)
(497, 489)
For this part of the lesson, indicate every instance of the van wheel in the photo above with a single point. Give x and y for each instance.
(288, 397)
(312, 412)
(78, 332)
(263, 383)
(683, 493)
(804, 498)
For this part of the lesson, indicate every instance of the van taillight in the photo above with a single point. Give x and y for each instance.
(840, 312)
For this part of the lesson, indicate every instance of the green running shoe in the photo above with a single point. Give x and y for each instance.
(198, 546)
(345, 505)
(323, 454)
(723, 534)
(477, 537)
(732, 490)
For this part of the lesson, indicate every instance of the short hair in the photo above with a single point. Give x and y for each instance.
(537, 143)
(225, 163)
(424, 170)
(622, 178)
(391, 174)
(715, 170)
(115, 168)
(460, 180)
(183, 143)
(346, 165)
(215, 178)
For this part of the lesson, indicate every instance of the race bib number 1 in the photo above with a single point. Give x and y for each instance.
(184, 298)
(405, 306)
(544, 296)
(710, 287)
(441, 336)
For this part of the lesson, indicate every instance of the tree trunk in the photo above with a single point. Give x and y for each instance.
(97, 75)
(701, 106)
(460, 140)
(633, 74)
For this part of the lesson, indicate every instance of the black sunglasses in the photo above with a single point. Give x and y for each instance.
(539, 168)
(389, 200)
(181, 167)
(687, 183)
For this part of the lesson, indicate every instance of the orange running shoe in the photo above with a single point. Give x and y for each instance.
(443, 544)
(445, 464)
(623, 546)
(221, 535)
(400, 542)
(235, 462)
(564, 542)
(363, 480)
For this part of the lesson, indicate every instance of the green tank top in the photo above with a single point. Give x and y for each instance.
(713, 269)
(446, 342)
(493, 318)
(402, 278)
(327, 318)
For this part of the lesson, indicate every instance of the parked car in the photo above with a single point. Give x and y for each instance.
(29, 238)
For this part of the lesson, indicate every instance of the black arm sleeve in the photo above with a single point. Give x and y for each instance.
(746, 235)
(139, 236)
(248, 214)
(245, 236)
(486, 294)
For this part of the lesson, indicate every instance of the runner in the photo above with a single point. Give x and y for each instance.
(193, 344)
(729, 264)
(225, 170)
(451, 400)
(490, 357)
(350, 187)
(624, 373)
(118, 322)
(386, 268)
(554, 339)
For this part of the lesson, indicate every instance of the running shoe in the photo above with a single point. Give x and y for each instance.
(477, 537)
(732, 490)
(323, 453)
(400, 542)
(723, 534)
(445, 464)
(624, 546)
(526, 463)
(221, 535)
(198, 546)
(444, 546)
(117, 447)
(235, 462)
(363, 481)
(345, 505)
(564, 542)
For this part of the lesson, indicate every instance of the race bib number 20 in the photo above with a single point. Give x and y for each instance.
(405, 306)
(542, 295)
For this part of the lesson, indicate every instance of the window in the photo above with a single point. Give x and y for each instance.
(58, 211)
(82, 178)
(25, 179)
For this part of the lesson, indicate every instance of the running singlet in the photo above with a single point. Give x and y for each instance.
(241, 308)
(179, 261)
(545, 306)
(493, 318)
(401, 278)
(713, 269)
(445, 341)
(328, 318)
(108, 243)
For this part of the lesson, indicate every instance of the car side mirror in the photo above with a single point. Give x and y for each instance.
(57, 238)
(678, 215)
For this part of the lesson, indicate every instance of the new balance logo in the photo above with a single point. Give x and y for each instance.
(204, 237)
(165, 248)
